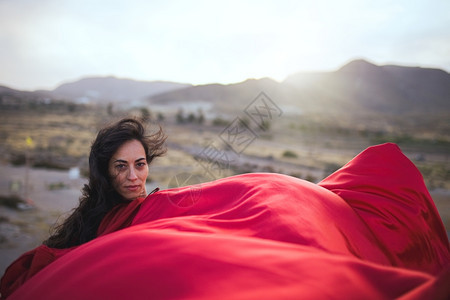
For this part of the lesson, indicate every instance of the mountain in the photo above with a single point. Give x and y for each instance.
(12, 97)
(384, 89)
(218, 97)
(112, 89)
(359, 87)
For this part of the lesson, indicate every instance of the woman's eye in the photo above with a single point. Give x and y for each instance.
(141, 164)
(121, 167)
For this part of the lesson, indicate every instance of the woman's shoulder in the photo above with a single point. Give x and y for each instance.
(119, 217)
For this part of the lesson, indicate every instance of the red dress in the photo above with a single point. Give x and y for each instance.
(368, 231)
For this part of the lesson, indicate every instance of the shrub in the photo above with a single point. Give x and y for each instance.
(290, 154)
(219, 122)
(11, 201)
(18, 159)
(57, 186)
(311, 178)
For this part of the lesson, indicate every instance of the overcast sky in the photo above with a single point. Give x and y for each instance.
(47, 42)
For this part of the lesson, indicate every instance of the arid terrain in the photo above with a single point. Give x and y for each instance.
(303, 130)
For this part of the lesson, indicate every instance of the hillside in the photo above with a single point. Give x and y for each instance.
(387, 89)
(12, 97)
(112, 89)
(225, 99)
(357, 87)
(356, 92)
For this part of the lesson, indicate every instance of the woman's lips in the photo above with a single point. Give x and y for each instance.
(132, 188)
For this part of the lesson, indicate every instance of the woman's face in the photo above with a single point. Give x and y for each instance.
(128, 169)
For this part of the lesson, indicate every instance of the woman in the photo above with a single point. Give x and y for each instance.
(118, 169)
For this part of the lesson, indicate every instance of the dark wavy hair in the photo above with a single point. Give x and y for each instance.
(98, 195)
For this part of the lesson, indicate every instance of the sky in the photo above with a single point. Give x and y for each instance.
(49, 42)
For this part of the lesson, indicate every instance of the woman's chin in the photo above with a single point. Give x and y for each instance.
(135, 195)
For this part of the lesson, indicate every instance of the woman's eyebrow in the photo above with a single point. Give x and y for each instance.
(124, 161)
(120, 161)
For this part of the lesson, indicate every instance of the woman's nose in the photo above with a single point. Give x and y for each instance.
(132, 174)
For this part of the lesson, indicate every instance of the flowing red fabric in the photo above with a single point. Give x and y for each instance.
(368, 231)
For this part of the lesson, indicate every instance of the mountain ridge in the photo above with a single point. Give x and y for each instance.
(361, 85)
(113, 89)
(357, 87)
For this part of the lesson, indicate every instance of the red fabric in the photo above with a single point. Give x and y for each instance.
(26, 266)
(30, 263)
(119, 217)
(370, 231)
(388, 192)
